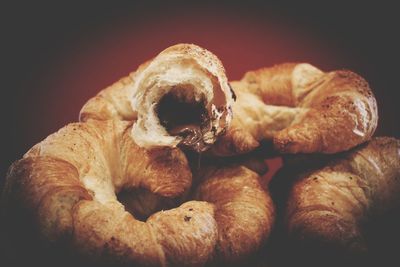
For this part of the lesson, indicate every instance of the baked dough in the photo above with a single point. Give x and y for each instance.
(301, 109)
(330, 205)
(182, 96)
(297, 106)
(68, 186)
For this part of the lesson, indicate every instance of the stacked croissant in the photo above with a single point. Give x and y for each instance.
(164, 167)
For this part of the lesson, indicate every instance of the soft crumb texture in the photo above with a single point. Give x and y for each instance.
(191, 72)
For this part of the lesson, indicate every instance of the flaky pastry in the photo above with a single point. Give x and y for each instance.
(331, 204)
(301, 109)
(68, 186)
(182, 96)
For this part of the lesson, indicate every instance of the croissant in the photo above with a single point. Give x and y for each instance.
(332, 204)
(297, 106)
(182, 96)
(301, 109)
(68, 186)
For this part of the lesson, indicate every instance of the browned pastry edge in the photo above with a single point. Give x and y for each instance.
(329, 205)
(302, 109)
(299, 107)
(67, 186)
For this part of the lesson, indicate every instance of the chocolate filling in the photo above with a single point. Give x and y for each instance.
(184, 118)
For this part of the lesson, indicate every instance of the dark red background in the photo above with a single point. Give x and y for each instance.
(59, 55)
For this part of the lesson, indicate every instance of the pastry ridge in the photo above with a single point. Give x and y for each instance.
(67, 186)
(302, 110)
(331, 203)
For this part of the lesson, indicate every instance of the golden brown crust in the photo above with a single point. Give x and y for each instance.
(84, 165)
(235, 141)
(343, 114)
(100, 150)
(112, 102)
(68, 185)
(244, 211)
(108, 233)
(273, 84)
(303, 110)
(300, 108)
(330, 204)
(187, 234)
(46, 189)
(184, 70)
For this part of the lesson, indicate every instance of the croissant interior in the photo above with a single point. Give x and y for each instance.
(185, 116)
(191, 77)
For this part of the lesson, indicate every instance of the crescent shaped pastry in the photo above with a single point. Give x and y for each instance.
(301, 109)
(330, 204)
(68, 188)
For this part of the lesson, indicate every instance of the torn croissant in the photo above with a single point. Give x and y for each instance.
(181, 96)
(297, 106)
